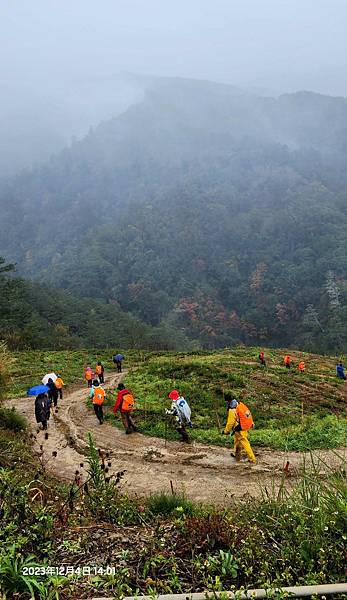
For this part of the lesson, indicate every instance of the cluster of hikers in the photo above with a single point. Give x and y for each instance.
(287, 362)
(46, 400)
(239, 419)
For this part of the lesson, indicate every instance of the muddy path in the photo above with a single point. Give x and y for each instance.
(204, 473)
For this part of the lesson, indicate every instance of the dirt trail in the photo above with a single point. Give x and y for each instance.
(205, 473)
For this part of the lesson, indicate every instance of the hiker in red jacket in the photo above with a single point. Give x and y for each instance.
(125, 404)
(262, 358)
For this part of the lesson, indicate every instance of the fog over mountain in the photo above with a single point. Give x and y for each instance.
(62, 62)
(201, 208)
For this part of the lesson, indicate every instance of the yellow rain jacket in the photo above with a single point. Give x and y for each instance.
(240, 437)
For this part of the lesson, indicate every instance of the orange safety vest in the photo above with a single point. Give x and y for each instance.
(98, 369)
(244, 416)
(99, 396)
(128, 402)
(89, 375)
(59, 383)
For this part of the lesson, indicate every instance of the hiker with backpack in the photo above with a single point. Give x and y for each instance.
(125, 403)
(301, 366)
(59, 384)
(239, 422)
(286, 360)
(88, 374)
(262, 359)
(99, 370)
(181, 411)
(97, 394)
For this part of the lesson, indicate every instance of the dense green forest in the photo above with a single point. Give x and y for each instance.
(37, 316)
(201, 211)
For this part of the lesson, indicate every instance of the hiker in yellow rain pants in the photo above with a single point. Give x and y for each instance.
(240, 421)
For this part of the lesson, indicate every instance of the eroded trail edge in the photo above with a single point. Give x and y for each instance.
(204, 473)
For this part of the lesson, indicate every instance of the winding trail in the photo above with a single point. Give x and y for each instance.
(205, 473)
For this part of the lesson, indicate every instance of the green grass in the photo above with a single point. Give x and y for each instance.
(168, 504)
(29, 367)
(292, 411)
(12, 420)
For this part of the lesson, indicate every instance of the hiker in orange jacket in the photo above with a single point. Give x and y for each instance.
(301, 366)
(286, 361)
(97, 394)
(59, 385)
(99, 370)
(240, 421)
(89, 376)
(125, 404)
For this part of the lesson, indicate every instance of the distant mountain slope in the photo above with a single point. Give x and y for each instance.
(221, 213)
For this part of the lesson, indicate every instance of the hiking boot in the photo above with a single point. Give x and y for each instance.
(127, 431)
(134, 429)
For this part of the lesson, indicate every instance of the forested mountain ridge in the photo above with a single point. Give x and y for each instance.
(219, 213)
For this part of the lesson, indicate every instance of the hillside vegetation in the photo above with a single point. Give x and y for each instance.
(37, 316)
(292, 411)
(220, 215)
(166, 543)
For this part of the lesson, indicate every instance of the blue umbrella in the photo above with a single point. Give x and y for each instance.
(119, 357)
(37, 389)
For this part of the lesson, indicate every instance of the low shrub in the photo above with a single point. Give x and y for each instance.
(163, 503)
(102, 495)
(11, 419)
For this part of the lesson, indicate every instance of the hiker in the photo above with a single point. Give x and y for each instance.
(286, 361)
(53, 393)
(42, 409)
(239, 422)
(99, 370)
(340, 371)
(301, 366)
(117, 359)
(262, 359)
(125, 403)
(59, 385)
(88, 374)
(97, 395)
(181, 411)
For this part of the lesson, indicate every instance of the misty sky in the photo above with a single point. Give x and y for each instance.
(235, 41)
(60, 59)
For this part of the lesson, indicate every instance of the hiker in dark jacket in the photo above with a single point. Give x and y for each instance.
(53, 393)
(42, 409)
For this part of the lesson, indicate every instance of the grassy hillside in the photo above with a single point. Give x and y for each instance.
(30, 366)
(165, 543)
(292, 411)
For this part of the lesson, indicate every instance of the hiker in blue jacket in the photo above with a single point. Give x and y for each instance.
(340, 371)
